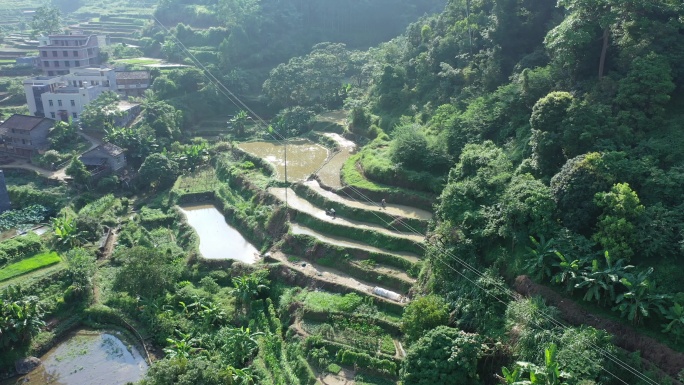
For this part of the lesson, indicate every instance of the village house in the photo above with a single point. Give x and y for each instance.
(132, 83)
(58, 54)
(65, 97)
(23, 135)
(103, 158)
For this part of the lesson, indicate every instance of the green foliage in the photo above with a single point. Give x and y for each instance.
(20, 317)
(158, 171)
(100, 114)
(146, 272)
(616, 230)
(28, 265)
(18, 247)
(47, 19)
(574, 188)
(22, 218)
(422, 314)
(78, 171)
(443, 355)
(547, 126)
(81, 267)
(675, 314)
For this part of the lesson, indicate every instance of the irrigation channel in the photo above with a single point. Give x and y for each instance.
(87, 357)
(218, 240)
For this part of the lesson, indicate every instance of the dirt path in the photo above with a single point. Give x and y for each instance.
(396, 210)
(343, 242)
(305, 206)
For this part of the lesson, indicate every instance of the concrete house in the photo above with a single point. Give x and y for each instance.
(64, 97)
(132, 83)
(60, 53)
(23, 135)
(106, 156)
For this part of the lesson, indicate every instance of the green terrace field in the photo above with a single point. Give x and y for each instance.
(29, 264)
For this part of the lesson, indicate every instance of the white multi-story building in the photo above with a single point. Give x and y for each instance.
(65, 97)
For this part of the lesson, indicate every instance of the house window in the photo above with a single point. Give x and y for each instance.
(78, 63)
(50, 102)
(47, 63)
(13, 131)
(59, 103)
(52, 114)
(75, 53)
(51, 73)
(65, 53)
(56, 63)
(73, 103)
(23, 141)
(74, 115)
(44, 53)
(67, 63)
(54, 53)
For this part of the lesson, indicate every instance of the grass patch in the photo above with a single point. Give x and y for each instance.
(29, 264)
(334, 368)
(137, 61)
(200, 181)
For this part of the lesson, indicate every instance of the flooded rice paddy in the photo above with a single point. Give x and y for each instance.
(218, 240)
(88, 357)
(303, 157)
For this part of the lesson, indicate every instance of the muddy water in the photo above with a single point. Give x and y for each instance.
(218, 240)
(298, 203)
(390, 208)
(88, 357)
(330, 173)
(339, 241)
(303, 157)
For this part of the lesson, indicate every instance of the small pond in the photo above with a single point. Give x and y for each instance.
(303, 157)
(218, 240)
(88, 357)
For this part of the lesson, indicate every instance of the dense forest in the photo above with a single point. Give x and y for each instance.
(546, 139)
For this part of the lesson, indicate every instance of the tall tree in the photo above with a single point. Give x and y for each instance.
(47, 19)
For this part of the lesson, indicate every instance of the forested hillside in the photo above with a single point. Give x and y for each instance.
(492, 193)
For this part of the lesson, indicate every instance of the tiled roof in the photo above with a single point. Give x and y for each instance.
(22, 122)
(132, 75)
(110, 149)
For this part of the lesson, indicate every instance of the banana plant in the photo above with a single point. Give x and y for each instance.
(568, 272)
(549, 374)
(675, 315)
(600, 282)
(639, 300)
(538, 265)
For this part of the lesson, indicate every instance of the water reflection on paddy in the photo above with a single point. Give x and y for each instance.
(218, 240)
(303, 157)
(88, 357)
